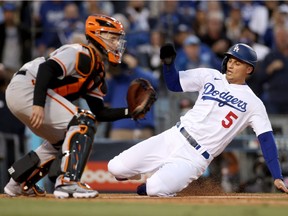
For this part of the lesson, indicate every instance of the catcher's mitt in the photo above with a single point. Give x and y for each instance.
(140, 97)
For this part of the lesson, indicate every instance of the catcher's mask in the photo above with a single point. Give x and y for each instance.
(107, 34)
(242, 52)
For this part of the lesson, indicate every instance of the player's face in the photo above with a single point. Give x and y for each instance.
(112, 39)
(237, 71)
(114, 45)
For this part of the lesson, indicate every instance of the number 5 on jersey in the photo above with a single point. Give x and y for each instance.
(229, 118)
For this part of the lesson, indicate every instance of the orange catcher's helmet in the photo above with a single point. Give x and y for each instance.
(107, 34)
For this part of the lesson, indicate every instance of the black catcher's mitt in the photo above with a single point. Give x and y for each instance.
(140, 97)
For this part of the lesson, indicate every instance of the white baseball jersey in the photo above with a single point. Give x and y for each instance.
(222, 110)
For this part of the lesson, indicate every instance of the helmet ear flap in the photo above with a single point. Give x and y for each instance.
(224, 64)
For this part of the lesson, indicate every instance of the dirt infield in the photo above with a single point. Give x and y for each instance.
(197, 193)
(277, 199)
(228, 199)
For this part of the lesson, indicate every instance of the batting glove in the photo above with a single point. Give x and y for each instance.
(167, 53)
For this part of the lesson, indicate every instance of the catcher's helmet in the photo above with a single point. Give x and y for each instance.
(96, 25)
(243, 53)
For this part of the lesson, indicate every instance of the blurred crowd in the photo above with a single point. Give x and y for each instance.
(200, 30)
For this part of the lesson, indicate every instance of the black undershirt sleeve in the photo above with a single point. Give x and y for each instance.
(103, 113)
(46, 72)
(49, 70)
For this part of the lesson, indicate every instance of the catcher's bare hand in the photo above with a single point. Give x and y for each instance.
(279, 184)
(37, 116)
(140, 97)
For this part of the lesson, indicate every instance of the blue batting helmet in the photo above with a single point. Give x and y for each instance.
(243, 53)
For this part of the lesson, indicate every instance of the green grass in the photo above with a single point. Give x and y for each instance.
(31, 207)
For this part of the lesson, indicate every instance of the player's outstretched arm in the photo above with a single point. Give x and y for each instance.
(103, 113)
(270, 154)
(171, 75)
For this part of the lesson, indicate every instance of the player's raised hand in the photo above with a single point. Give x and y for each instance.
(279, 184)
(37, 116)
(167, 53)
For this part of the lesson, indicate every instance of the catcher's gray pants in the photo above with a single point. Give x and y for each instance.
(58, 113)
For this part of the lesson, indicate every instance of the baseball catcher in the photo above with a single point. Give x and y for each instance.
(140, 97)
(41, 93)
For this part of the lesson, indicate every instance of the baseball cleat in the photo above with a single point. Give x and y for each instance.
(141, 190)
(74, 189)
(14, 189)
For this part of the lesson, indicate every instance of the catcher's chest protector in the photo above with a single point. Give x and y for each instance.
(92, 75)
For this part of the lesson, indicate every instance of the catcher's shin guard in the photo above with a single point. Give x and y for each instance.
(38, 174)
(55, 168)
(24, 167)
(28, 170)
(77, 145)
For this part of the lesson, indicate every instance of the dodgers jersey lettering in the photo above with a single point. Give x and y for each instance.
(237, 107)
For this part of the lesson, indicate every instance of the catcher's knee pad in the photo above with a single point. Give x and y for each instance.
(23, 168)
(28, 170)
(78, 144)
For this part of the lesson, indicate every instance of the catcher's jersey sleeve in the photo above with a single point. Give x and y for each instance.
(66, 57)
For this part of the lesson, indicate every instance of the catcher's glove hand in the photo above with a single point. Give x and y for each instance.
(140, 97)
(167, 53)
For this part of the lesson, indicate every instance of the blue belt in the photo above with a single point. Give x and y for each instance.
(192, 141)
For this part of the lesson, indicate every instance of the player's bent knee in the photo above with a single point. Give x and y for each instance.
(117, 169)
(158, 191)
(157, 188)
(114, 167)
